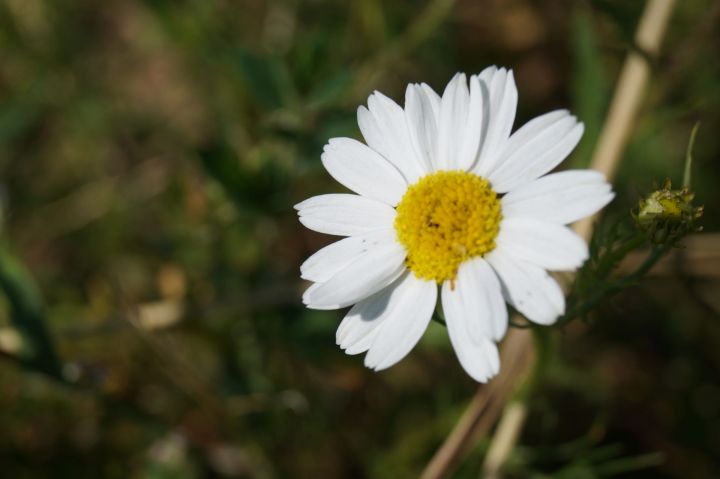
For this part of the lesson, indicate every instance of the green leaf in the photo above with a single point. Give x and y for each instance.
(687, 175)
(627, 464)
(26, 314)
(266, 78)
(19, 112)
(253, 188)
(589, 87)
(330, 91)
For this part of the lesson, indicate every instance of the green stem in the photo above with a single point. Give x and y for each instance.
(615, 287)
(689, 156)
(611, 259)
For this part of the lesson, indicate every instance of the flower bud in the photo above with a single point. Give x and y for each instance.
(667, 215)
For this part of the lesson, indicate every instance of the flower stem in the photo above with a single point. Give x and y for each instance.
(687, 175)
(606, 291)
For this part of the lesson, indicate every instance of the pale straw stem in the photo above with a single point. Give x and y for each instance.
(483, 411)
(606, 158)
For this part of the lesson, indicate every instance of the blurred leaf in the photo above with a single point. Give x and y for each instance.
(624, 14)
(254, 188)
(576, 471)
(589, 87)
(628, 464)
(332, 90)
(19, 112)
(26, 315)
(267, 79)
(371, 14)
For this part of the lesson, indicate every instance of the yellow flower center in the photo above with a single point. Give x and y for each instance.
(444, 219)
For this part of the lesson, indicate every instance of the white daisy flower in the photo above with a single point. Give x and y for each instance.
(448, 199)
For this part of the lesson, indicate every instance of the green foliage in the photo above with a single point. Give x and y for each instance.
(590, 91)
(26, 314)
(581, 459)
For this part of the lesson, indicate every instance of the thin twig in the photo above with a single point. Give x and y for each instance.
(505, 438)
(485, 406)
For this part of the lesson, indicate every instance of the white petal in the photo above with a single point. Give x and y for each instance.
(477, 298)
(422, 124)
(500, 102)
(536, 148)
(453, 116)
(408, 312)
(363, 170)
(363, 344)
(460, 124)
(433, 97)
(559, 197)
(344, 214)
(529, 288)
(472, 127)
(327, 261)
(385, 130)
(533, 128)
(480, 360)
(547, 245)
(358, 329)
(366, 275)
(478, 356)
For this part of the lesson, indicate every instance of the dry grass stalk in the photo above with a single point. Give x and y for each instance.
(517, 354)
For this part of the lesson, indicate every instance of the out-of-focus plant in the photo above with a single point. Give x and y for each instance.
(660, 221)
(37, 351)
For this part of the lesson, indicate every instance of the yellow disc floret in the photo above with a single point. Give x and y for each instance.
(444, 219)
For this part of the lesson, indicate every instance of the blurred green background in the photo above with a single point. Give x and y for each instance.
(150, 155)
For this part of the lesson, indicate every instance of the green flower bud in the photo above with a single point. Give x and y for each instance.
(667, 215)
